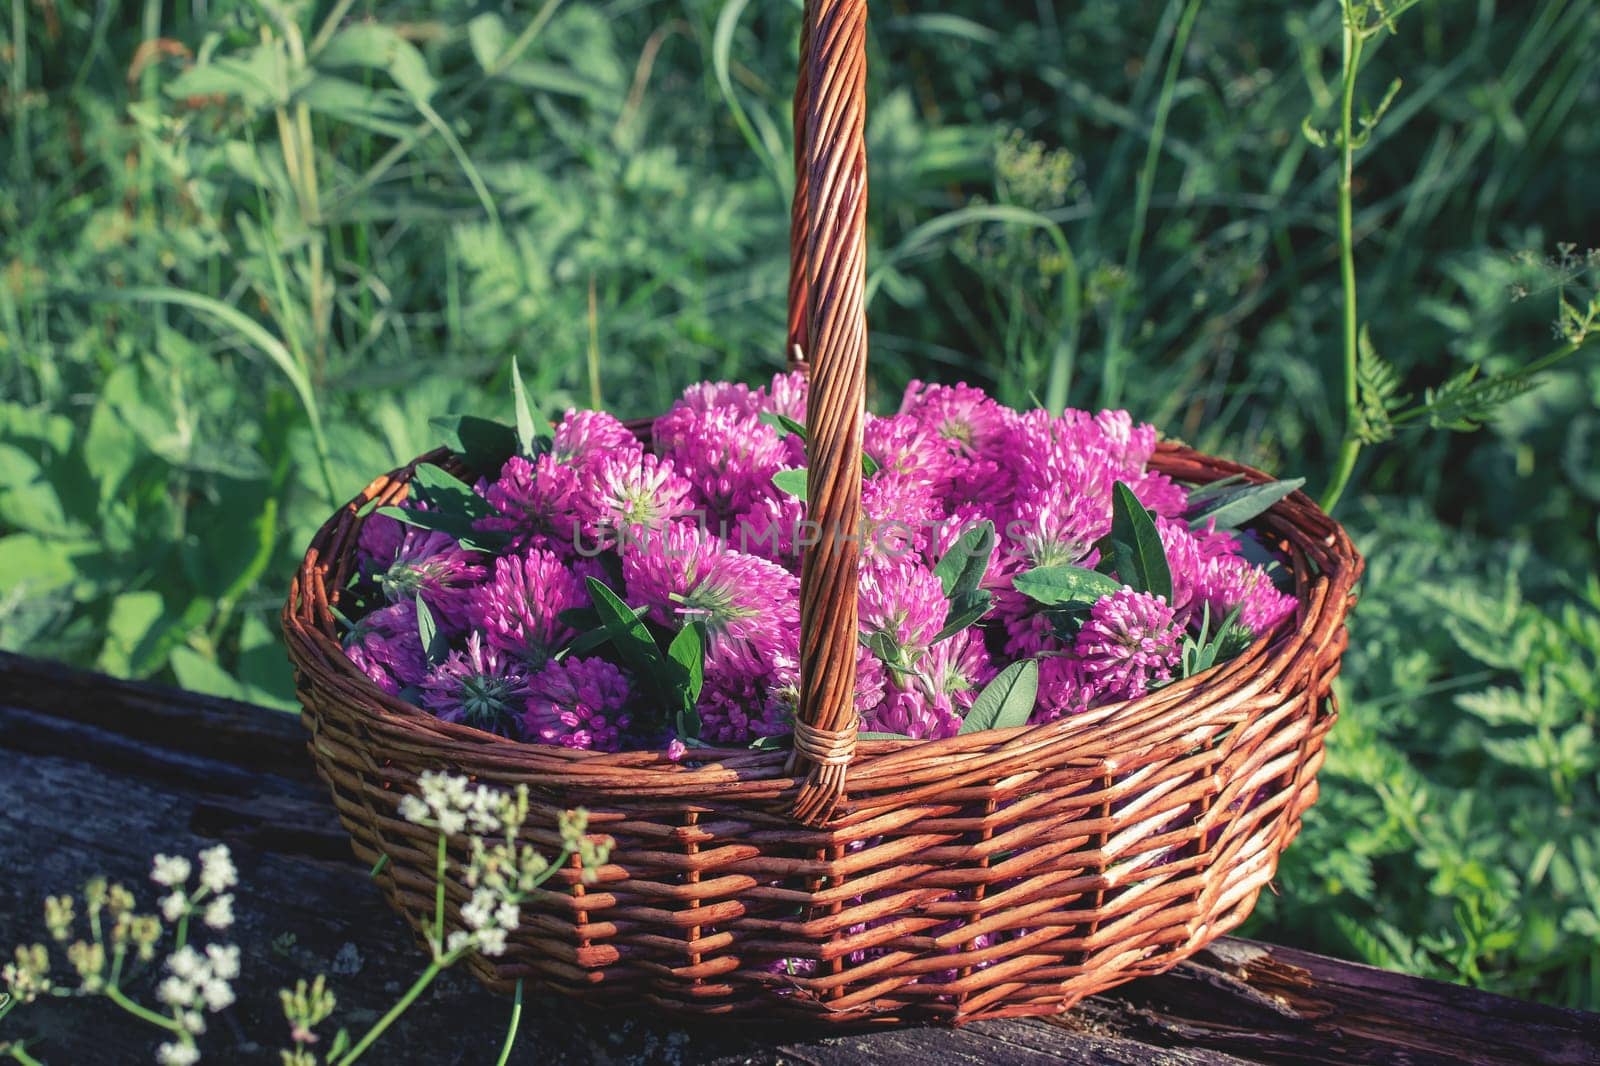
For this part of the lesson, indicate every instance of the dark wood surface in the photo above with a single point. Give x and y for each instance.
(96, 775)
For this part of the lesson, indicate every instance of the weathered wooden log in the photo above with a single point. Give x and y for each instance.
(97, 775)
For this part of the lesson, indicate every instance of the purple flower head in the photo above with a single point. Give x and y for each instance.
(683, 573)
(585, 437)
(707, 396)
(960, 414)
(1208, 572)
(902, 445)
(478, 687)
(1129, 643)
(1229, 581)
(916, 712)
(928, 698)
(770, 530)
(537, 501)
(386, 646)
(1128, 446)
(727, 455)
(379, 542)
(785, 395)
(577, 703)
(899, 514)
(435, 567)
(737, 708)
(1064, 689)
(519, 609)
(904, 600)
(632, 492)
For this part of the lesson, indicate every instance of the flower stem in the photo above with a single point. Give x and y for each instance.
(511, 1032)
(144, 1014)
(11, 1003)
(438, 899)
(18, 1053)
(417, 988)
(1350, 446)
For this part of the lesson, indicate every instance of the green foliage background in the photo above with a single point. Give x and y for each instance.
(245, 259)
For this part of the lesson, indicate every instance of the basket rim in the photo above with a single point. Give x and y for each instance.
(1321, 556)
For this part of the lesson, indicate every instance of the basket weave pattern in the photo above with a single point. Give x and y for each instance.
(1001, 873)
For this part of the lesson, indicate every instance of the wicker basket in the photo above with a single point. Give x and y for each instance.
(1001, 873)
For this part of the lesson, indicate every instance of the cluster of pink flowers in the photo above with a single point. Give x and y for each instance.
(694, 529)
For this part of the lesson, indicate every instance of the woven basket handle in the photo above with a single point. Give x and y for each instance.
(827, 329)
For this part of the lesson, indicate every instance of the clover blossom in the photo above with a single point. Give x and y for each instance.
(478, 686)
(577, 703)
(1129, 643)
(386, 646)
(535, 502)
(632, 492)
(434, 566)
(519, 608)
(684, 574)
(584, 438)
(727, 455)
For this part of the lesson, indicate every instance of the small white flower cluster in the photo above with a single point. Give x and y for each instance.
(488, 917)
(217, 875)
(177, 1054)
(29, 976)
(449, 803)
(501, 870)
(199, 981)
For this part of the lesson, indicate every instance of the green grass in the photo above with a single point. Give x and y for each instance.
(242, 267)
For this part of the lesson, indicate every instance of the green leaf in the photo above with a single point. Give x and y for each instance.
(527, 423)
(377, 46)
(1006, 701)
(631, 638)
(963, 566)
(1133, 549)
(434, 645)
(782, 423)
(688, 653)
(591, 631)
(791, 481)
(1065, 586)
(1201, 494)
(446, 493)
(1234, 507)
(964, 610)
(483, 443)
(882, 736)
(455, 525)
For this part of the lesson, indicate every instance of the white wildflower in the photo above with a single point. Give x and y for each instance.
(224, 960)
(219, 912)
(193, 1021)
(218, 995)
(452, 822)
(175, 992)
(508, 915)
(174, 906)
(413, 810)
(217, 871)
(170, 870)
(177, 1055)
(478, 912)
(188, 964)
(457, 940)
(492, 941)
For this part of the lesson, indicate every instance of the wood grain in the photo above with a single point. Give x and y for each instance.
(96, 775)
